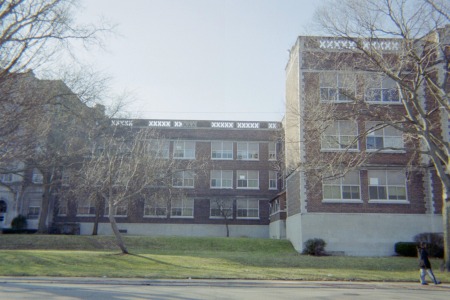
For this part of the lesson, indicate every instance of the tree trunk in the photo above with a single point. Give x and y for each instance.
(45, 204)
(116, 231)
(98, 207)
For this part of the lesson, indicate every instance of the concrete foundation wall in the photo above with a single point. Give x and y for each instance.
(199, 230)
(360, 234)
(277, 229)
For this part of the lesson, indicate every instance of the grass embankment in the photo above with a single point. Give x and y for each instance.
(180, 257)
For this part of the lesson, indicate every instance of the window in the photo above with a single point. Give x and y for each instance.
(221, 150)
(62, 207)
(159, 148)
(247, 179)
(247, 208)
(387, 138)
(221, 179)
(273, 178)
(118, 210)
(340, 135)
(221, 208)
(85, 207)
(6, 178)
(344, 189)
(3, 206)
(184, 179)
(184, 149)
(247, 151)
(381, 89)
(37, 177)
(272, 151)
(337, 87)
(387, 186)
(155, 206)
(182, 207)
(33, 212)
(275, 206)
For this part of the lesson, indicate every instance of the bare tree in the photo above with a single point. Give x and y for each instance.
(418, 66)
(223, 207)
(127, 165)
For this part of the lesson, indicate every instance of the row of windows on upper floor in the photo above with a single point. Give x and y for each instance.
(343, 135)
(342, 87)
(220, 150)
(159, 207)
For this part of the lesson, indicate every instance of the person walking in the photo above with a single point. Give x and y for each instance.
(424, 264)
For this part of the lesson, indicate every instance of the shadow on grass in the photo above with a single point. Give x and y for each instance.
(157, 261)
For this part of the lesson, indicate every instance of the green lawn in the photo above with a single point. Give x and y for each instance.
(179, 257)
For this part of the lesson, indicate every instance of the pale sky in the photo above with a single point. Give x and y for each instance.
(201, 59)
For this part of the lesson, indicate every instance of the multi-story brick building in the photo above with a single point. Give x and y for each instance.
(335, 105)
(240, 173)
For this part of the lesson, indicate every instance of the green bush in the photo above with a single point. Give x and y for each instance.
(435, 243)
(19, 223)
(406, 249)
(315, 247)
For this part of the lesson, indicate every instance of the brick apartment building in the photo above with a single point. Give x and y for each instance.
(333, 106)
(240, 170)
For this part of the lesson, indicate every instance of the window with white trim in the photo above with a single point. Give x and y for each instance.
(387, 185)
(6, 178)
(340, 135)
(34, 209)
(247, 179)
(62, 207)
(247, 208)
(184, 149)
(85, 207)
(182, 208)
(118, 210)
(221, 179)
(247, 151)
(183, 179)
(221, 208)
(272, 151)
(387, 137)
(273, 179)
(159, 148)
(37, 177)
(155, 206)
(221, 150)
(381, 89)
(337, 87)
(345, 188)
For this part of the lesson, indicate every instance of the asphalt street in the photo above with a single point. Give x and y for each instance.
(130, 289)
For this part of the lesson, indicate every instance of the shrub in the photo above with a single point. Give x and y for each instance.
(435, 242)
(406, 249)
(315, 247)
(19, 223)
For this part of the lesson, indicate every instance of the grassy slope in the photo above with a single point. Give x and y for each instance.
(179, 257)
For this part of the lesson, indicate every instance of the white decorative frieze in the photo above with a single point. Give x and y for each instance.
(342, 44)
(159, 123)
(247, 125)
(222, 125)
(122, 122)
(273, 125)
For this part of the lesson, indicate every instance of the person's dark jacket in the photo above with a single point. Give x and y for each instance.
(424, 262)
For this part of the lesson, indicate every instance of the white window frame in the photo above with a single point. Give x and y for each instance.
(215, 209)
(187, 179)
(247, 176)
(86, 207)
(184, 149)
(33, 212)
(272, 151)
(246, 209)
(388, 136)
(336, 134)
(159, 148)
(120, 211)
(155, 207)
(247, 150)
(6, 177)
(62, 207)
(222, 150)
(392, 181)
(37, 177)
(379, 90)
(335, 190)
(185, 207)
(335, 85)
(221, 179)
(273, 180)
